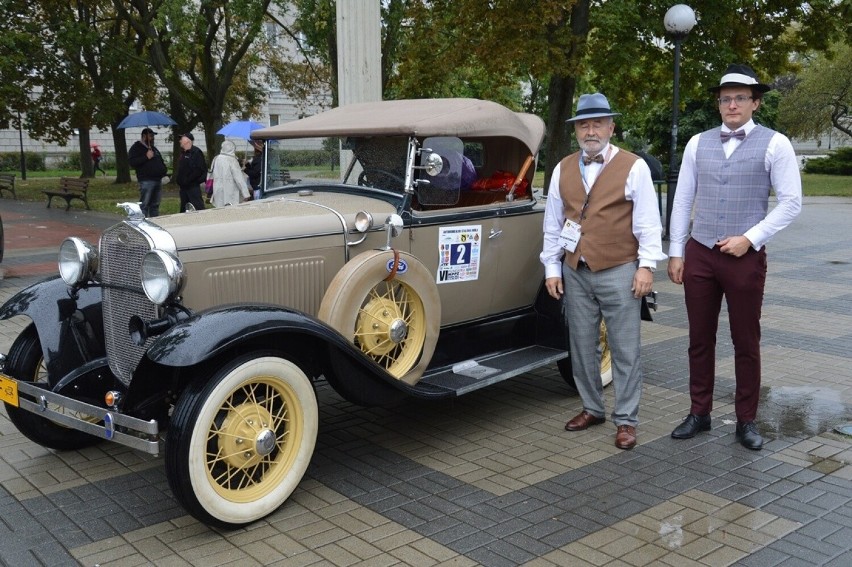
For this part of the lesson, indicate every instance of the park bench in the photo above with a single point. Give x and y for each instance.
(7, 183)
(70, 188)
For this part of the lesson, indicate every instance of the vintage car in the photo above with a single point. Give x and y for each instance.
(201, 335)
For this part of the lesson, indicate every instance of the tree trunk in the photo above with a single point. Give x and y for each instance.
(561, 89)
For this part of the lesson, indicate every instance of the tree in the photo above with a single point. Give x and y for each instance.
(821, 99)
(200, 51)
(631, 60)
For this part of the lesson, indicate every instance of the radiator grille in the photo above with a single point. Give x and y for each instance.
(122, 249)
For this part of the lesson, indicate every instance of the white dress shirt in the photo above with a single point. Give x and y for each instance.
(646, 216)
(780, 163)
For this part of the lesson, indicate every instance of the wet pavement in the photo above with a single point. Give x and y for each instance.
(492, 478)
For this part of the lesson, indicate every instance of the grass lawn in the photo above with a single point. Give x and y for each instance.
(104, 193)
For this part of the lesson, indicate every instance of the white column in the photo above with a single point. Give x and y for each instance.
(359, 56)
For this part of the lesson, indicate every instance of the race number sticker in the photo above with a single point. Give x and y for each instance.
(458, 253)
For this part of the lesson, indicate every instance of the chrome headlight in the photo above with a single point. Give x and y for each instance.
(78, 261)
(363, 221)
(162, 276)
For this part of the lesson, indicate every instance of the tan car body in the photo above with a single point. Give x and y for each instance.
(200, 334)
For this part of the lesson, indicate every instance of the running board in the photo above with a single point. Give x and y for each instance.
(474, 374)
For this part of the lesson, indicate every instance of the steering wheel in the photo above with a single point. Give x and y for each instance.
(380, 179)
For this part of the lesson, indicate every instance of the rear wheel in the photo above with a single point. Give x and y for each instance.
(239, 442)
(566, 370)
(26, 363)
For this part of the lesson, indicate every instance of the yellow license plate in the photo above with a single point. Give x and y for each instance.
(8, 390)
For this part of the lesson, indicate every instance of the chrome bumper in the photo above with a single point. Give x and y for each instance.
(119, 428)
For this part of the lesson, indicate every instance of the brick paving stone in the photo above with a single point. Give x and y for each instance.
(492, 478)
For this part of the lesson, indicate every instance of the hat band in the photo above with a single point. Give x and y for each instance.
(594, 111)
(738, 78)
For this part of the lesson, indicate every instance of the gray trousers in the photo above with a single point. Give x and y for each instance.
(588, 297)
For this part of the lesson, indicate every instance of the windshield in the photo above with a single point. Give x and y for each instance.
(365, 162)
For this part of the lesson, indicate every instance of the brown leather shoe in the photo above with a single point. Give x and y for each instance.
(625, 437)
(583, 420)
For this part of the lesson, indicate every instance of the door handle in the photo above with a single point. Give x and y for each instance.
(494, 233)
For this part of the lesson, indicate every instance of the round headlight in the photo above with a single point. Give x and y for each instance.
(162, 276)
(78, 261)
(363, 221)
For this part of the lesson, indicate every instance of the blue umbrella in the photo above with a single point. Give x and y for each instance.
(146, 118)
(240, 129)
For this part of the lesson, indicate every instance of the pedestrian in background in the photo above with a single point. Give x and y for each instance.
(602, 242)
(191, 173)
(150, 170)
(726, 176)
(229, 181)
(96, 159)
(254, 167)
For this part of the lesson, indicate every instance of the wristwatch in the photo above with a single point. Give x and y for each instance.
(649, 268)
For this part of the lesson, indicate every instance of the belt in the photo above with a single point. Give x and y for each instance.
(582, 265)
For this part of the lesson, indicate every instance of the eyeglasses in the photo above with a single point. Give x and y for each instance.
(739, 99)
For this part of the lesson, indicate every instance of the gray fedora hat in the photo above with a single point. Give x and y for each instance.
(740, 76)
(592, 106)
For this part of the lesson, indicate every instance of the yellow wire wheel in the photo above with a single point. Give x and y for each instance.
(395, 322)
(240, 442)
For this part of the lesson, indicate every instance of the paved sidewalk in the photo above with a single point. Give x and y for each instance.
(492, 478)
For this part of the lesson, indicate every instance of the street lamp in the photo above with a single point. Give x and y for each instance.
(678, 21)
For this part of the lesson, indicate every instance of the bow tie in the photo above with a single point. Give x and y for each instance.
(739, 135)
(596, 159)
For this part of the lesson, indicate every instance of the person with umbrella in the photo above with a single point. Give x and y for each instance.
(229, 181)
(191, 173)
(150, 170)
(96, 158)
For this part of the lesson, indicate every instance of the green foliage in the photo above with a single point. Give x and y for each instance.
(311, 158)
(821, 99)
(11, 161)
(838, 163)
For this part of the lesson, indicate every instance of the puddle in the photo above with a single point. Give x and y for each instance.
(801, 410)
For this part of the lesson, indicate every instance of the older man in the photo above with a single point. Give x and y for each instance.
(191, 173)
(726, 177)
(602, 242)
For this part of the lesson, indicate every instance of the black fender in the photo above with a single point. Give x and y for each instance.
(239, 328)
(69, 323)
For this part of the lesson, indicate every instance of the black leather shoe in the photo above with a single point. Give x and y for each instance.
(748, 435)
(691, 425)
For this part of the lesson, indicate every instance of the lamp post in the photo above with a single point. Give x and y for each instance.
(679, 20)
(21, 141)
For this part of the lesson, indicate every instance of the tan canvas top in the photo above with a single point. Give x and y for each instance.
(461, 117)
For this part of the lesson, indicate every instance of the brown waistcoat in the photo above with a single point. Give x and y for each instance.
(607, 231)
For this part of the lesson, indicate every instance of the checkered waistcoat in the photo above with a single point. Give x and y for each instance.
(732, 193)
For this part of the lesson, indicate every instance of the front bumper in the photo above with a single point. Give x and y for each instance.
(96, 421)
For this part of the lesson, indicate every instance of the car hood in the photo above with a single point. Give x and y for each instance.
(291, 216)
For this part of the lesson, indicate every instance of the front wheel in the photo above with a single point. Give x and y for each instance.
(566, 370)
(25, 362)
(239, 442)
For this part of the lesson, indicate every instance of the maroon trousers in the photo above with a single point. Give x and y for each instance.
(708, 274)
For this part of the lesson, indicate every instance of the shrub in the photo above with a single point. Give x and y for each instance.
(838, 163)
(11, 161)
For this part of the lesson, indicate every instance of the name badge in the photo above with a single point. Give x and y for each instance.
(570, 235)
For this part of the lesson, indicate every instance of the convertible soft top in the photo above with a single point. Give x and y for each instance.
(461, 117)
